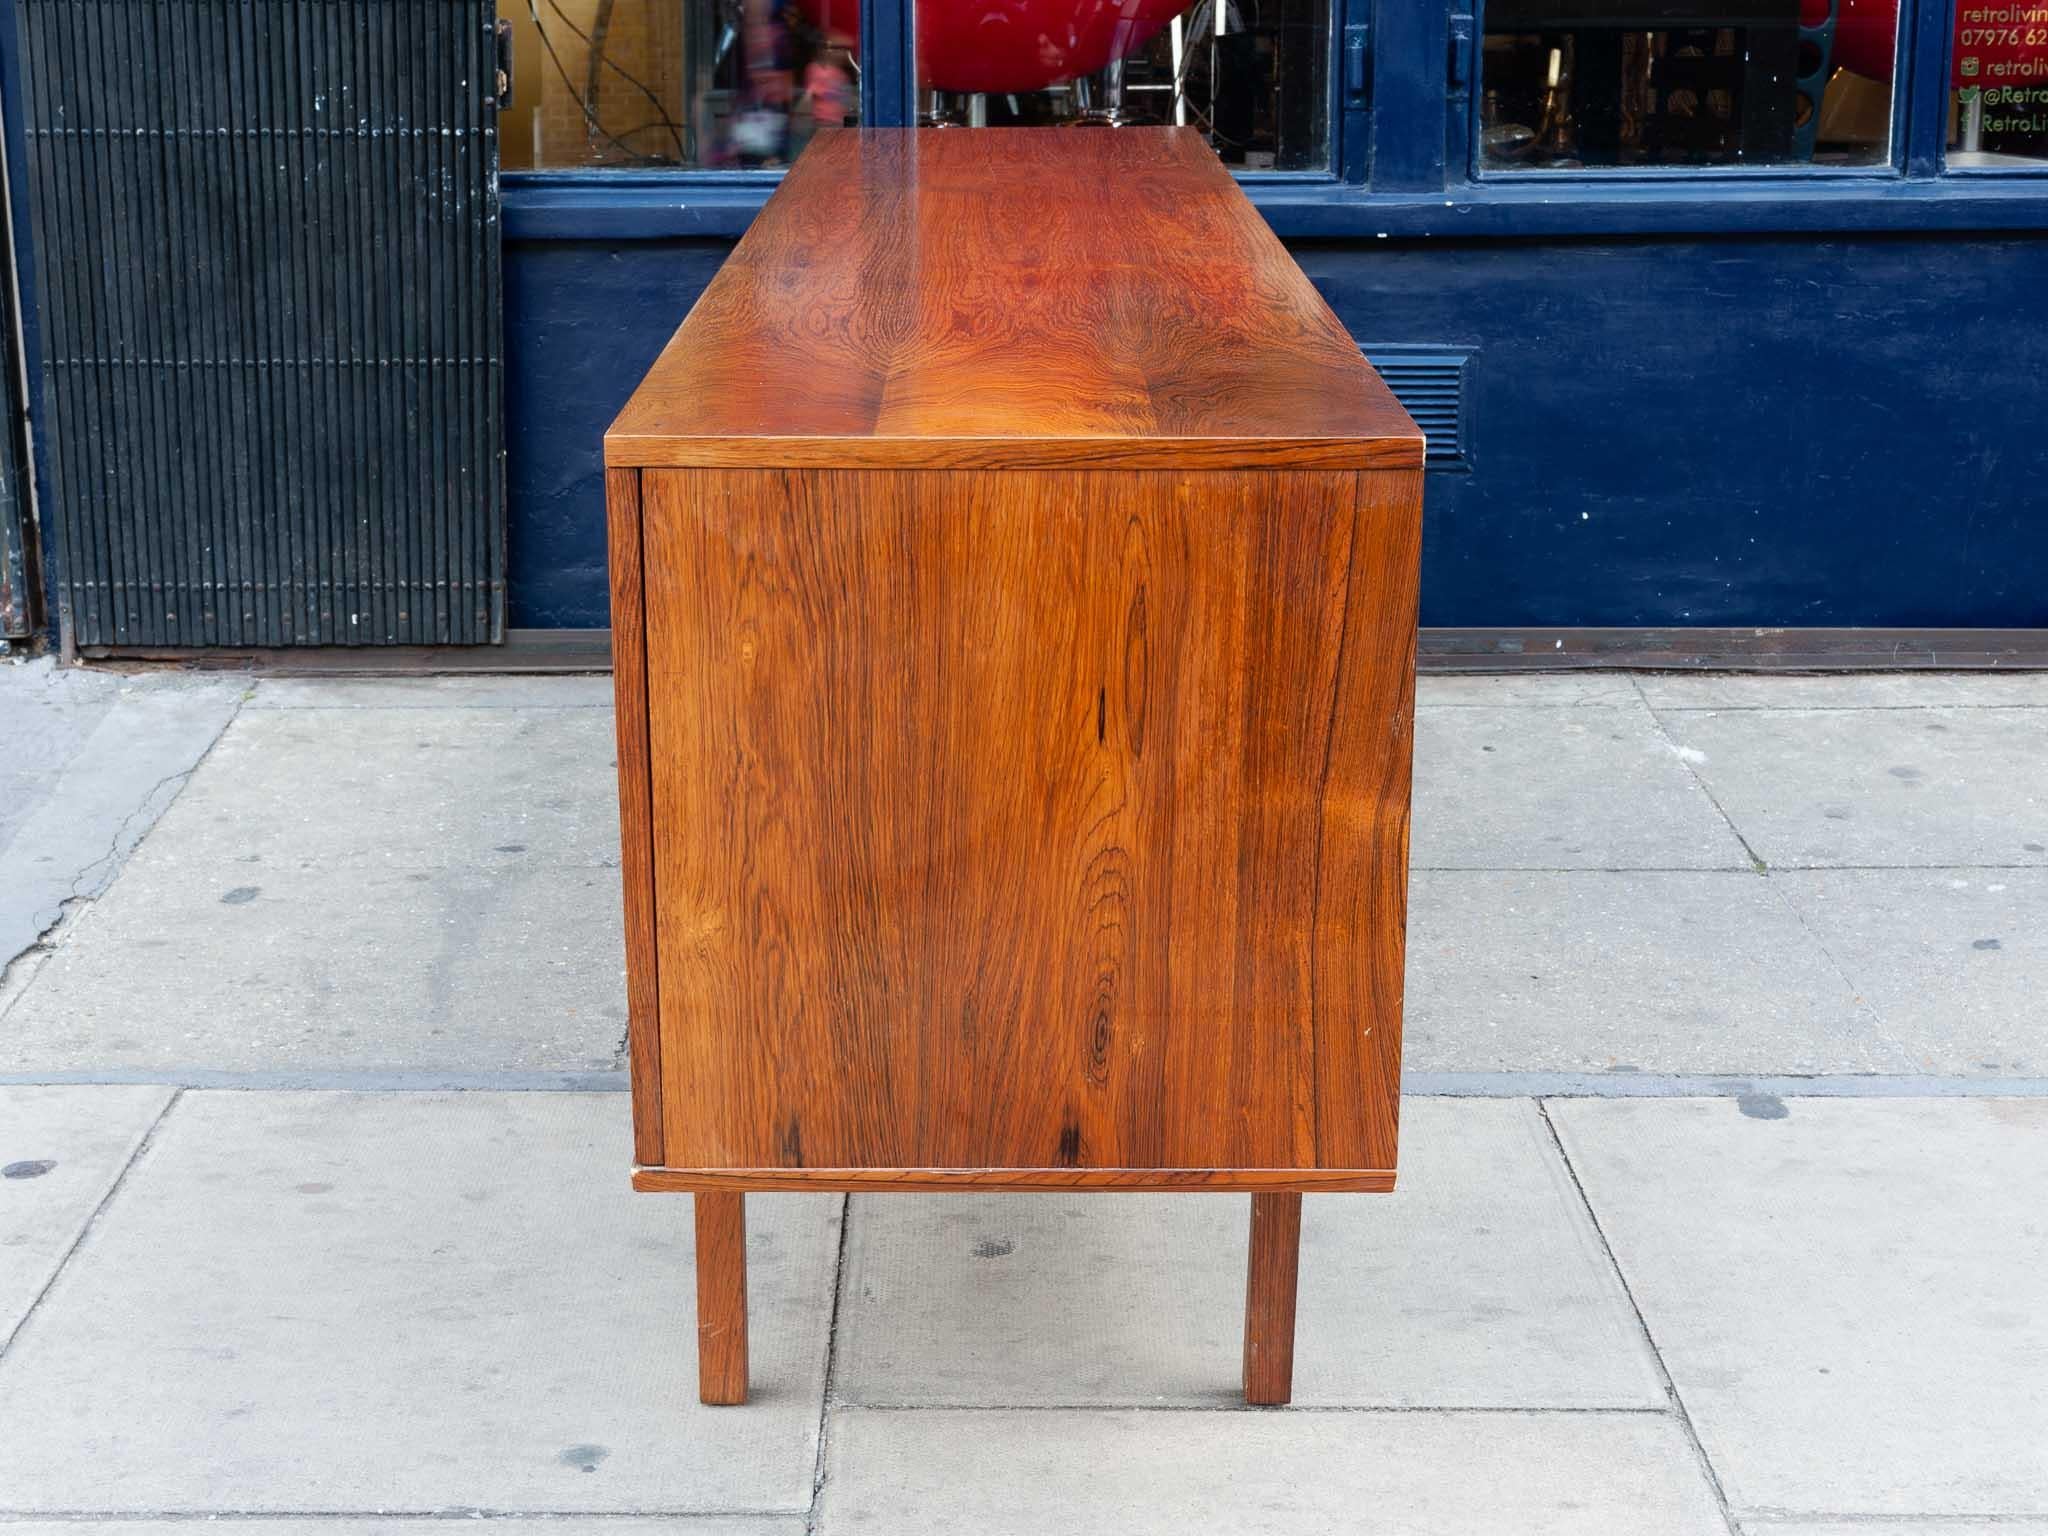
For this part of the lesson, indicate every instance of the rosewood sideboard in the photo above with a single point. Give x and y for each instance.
(1013, 574)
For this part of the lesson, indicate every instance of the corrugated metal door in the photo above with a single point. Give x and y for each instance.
(17, 602)
(267, 243)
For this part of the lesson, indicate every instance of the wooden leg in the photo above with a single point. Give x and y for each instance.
(1269, 1299)
(721, 1297)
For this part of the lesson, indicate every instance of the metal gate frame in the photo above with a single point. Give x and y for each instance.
(19, 567)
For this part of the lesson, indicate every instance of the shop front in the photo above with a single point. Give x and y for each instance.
(1722, 316)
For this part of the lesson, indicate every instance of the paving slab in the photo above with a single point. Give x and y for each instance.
(1479, 1283)
(61, 1150)
(255, 967)
(1848, 1293)
(408, 1302)
(20, 793)
(370, 886)
(1995, 1527)
(1587, 971)
(401, 1525)
(578, 691)
(1843, 690)
(78, 822)
(1135, 1472)
(1952, 960)
(1829, 788)
(1442, 690)
(48, 712)
(1997, 689)
(410, 788)
(1527, 787)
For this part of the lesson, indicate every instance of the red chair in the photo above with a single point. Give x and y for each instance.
(1012, 46)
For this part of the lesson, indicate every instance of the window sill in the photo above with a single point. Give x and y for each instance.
(1789, 205)
(606, 206)
(631, 205)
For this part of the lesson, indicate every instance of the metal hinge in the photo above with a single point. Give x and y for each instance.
(1357, 57)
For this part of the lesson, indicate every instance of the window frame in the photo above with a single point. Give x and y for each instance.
(1401, 159)
(1937, 47)
(1890, 169)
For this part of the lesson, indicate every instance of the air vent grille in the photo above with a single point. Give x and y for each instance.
(1430, 385)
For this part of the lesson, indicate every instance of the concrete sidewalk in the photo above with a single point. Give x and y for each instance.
(1725, 1173)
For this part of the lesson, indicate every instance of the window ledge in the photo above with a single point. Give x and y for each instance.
(719, 205)
(630, 205)
(1665, 207)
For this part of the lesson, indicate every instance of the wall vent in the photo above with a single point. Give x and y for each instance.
(1430, 383)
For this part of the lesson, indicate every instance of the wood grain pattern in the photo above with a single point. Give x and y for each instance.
(1272, 1270)
(636, 818)
(722, 1297)
(1026, 823)
(1014, 575)
(990, 1180)
(1034, 297)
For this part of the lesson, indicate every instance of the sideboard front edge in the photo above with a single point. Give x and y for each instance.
(636, 809)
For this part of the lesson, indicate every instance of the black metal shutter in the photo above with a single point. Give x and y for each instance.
(16, 602)
(267, 238)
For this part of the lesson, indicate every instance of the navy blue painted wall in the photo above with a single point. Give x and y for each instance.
(1791, 431)
(583, 322)
(1721, 431)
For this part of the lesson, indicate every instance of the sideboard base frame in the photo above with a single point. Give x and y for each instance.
(1272, 1269)
(1369, 1181)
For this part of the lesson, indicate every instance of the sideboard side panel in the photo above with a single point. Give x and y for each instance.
(636, 810)
(1028, 820)
(1362, 867)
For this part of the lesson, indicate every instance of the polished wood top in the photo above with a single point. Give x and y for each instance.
(1011, 297)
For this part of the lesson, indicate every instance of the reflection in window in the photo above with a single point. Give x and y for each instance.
(1998, 85)
(1252, 75)
(698, 83)
(1580, 84)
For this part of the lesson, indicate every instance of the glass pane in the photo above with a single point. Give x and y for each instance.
(1252, 75)
(1998, 88)
(720, 84)
(1615, 84)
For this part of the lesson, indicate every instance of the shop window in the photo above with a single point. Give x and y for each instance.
(1998, 84)
(1252, 75)
(1615, 84)
(699, 84)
